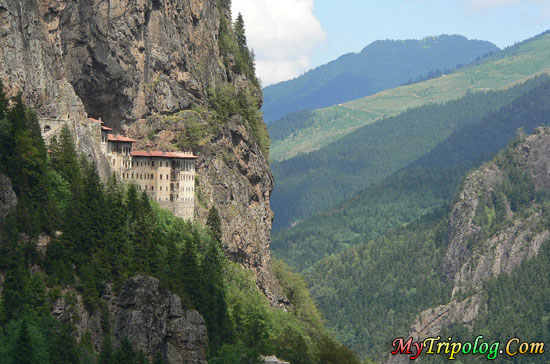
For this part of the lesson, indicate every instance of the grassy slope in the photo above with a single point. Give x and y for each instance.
(511, 66)
(380, 66)
(427, 184)
(313, 182)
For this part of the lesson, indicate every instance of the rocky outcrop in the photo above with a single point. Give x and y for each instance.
(273, 360)
(461, 229)
(473, 257)
(8, 199)
(151, 318)
(134, 62)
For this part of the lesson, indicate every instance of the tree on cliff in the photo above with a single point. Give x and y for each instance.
(214, 224)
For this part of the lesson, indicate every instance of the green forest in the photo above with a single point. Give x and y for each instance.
(313, 182)
(100, 234)
(426, 184)
(372, 292)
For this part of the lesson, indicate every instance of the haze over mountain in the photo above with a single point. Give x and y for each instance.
(380, 65)
(392, 251)
(374, 149)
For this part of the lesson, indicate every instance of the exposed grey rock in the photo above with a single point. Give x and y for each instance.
(273, 360)
(471, 259)
(151, 318)
(8, 199)
(128, 62)
(153, 321)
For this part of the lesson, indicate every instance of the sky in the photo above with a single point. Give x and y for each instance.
(289, 37)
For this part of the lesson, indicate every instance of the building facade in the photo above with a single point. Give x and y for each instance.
(166, 177)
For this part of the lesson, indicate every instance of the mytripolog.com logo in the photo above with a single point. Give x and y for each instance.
(453, 349)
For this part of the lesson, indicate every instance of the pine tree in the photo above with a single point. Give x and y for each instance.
(63, 346)
(23, 352)
(35, 296)
(125, 353)
(15, 284)
(213, 301)
(214, 224)
(189, 271)
(240, 32)
(65, 158)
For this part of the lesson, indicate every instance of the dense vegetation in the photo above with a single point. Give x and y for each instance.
(289, 124)
(379, 66)
(423, 186)
(372, 292)
(310, 183)
(497, 72)
(394, 202)
(525, 313)
(93, 236)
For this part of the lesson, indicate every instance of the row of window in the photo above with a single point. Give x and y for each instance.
(143, 176)
(147, 163)
(186, 189)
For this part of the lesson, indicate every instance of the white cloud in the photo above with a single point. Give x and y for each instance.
(283, 34)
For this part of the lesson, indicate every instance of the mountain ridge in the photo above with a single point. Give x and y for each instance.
(380, 65)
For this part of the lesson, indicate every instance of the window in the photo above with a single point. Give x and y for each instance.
(167, 177)
(151, 188)
(152, 163)
(161, 188)
(47, 128)
(161, 176)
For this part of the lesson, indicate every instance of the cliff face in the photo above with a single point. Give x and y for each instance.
(131, 63)
(152, 319)
(476, 253)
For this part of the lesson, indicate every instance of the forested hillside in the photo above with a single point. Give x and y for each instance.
(426, 184)
(380, 65)
(373, 292)
(313, 182)
(73, 239)
(507, 68)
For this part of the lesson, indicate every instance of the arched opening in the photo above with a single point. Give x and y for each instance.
(47, 128)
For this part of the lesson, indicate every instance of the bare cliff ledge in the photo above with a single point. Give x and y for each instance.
(151, 318)
(133, 63)
(476, 253)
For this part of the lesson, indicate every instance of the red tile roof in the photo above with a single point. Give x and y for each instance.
(160, 154)
(95, 120)
(103, 127)
(120, 138)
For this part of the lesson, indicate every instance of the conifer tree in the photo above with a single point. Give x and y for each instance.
(23, 351)
(63, 346)
(240, 32)
(65, 157)
(15, 283)
(35, 296)
(213, 302)
(214, 224)
(189, 271)
(125, 353)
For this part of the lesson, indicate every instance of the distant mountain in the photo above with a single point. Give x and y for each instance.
(373, 265)
(310, 183)
(425, 185)
(379, 66)
(326, 125)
